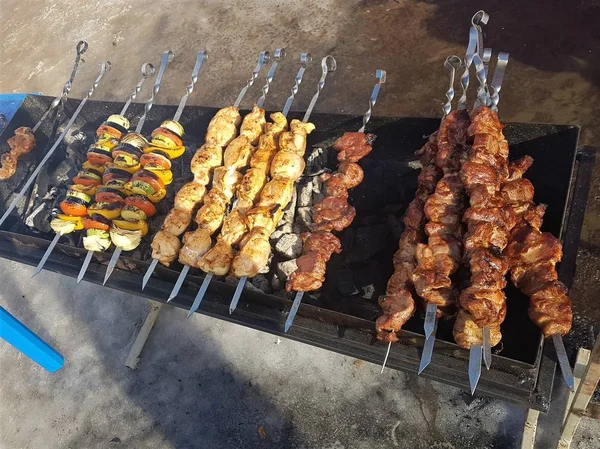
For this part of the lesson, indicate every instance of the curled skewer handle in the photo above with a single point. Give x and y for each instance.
(200, 58)
(147, 72)
(480, 18)
(501, 63)
(452, 64)
(104, 68)
(464, 79)
(328, 64)
(482, 95)
(278, 56)
(80, 49)
(166, 58)
(305, 59)
(380, 75)
(263, 58)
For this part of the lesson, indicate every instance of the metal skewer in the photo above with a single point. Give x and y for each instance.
(104, 67)
(451, 64)
(328, 64)
(305, 59)
(147, 72)
(381, 78)
(263, 58)
(477, 352)
(166, 59)
(80, 49)
(278, 56)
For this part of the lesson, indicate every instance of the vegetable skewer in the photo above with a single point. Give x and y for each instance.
(221, 130)
(319, 245)
(210, 215)
(104, 68)
(222, 255)
(79, 196)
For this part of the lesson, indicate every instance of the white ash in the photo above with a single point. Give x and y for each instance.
(316, 160)
(304, 216)
(368, 291)
(305, 192)
(284, 269)
(318, 191)
(289, 246)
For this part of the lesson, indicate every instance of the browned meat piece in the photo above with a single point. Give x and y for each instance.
(218, 259)
(528, 247)
(484, 121)
(324, 243)
(302, 282)
(414, 217)
(353, 146)
(550, 309)
(353, 173)
(195, 245)
(473, 173)
(487, 306)
(517, 191)
(22, 142)
(467, 333)
(485, 235)
(429, 177)
(334, 185)
(189, 196)
(519, 167)
(333, 213)
(165, 247)
(397, 310)
(313, 263)
(433, 287)
(9, 166)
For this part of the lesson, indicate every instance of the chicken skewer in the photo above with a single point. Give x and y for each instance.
(23, 141)
(131, 239)
(225, 180)
(321, 244)
(398, 303)
(147, 72)
(221, 255)
(286, 167)
(166, 244)
(104, 68)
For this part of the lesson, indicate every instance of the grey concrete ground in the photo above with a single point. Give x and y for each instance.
(207, 384)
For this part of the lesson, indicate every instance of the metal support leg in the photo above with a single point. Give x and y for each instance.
(582, 397)
(23, 339)
(134, 353)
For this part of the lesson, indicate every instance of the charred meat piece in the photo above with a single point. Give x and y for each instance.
(353, 146)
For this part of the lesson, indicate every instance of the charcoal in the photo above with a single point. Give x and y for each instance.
(345, 282)
(316, 160)
(369, 241)
(304, 216)
(276, 283)
(395, 226)
(305, 191)
(289, 246)
(370, 220)
(260, 282)
(284, 269)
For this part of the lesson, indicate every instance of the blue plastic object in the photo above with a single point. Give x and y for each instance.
(9, 104)
(23, 339)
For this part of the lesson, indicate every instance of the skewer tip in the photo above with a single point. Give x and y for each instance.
(387, 354)
(475, 354)
(236, 296)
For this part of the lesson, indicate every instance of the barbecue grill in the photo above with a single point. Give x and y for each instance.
(340, 317)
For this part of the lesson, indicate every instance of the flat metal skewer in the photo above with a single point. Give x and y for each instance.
(305, 59)
(387, 354)
(80, 49)
(263, 58)
(474, 366)
(278, 56)
(166, 59)
(104, 68)
(487, 348)
(563, 361)
(147, 72)
(328, 64)
(451, 64)
(44, 258)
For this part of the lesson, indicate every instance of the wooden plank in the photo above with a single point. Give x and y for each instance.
(530, 429)
(134, 353)
(581, 363)
(582, 397)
